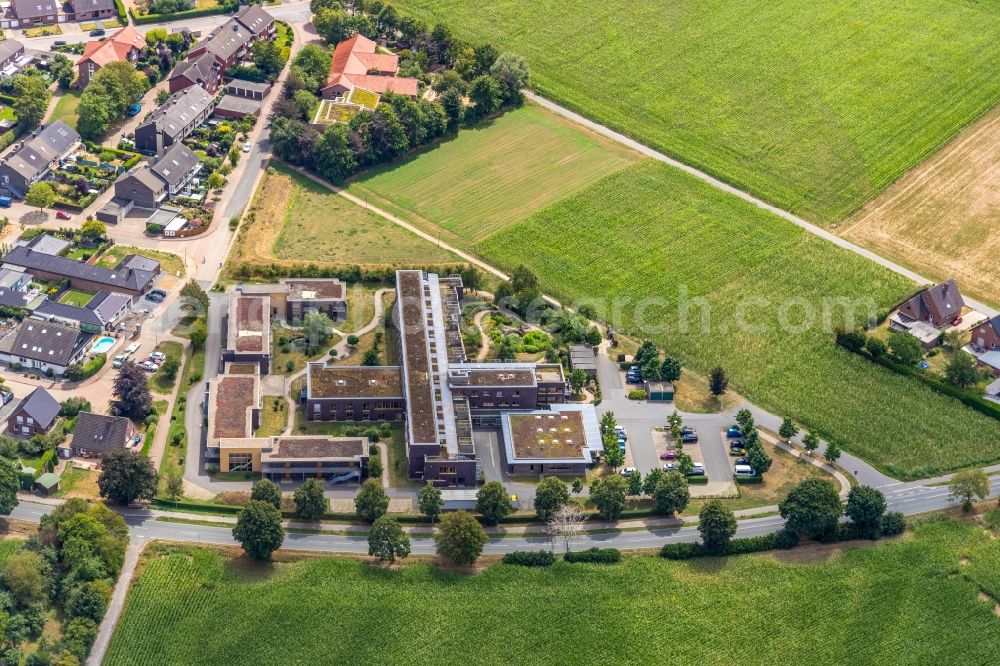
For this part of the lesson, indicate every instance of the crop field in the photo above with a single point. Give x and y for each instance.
(296, 220)
(815, 106)
(894, 603)
(718, 281)
(491, 176)
(940, 219)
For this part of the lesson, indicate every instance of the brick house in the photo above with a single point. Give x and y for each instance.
(355, 64)
(341, 393)
(938, 306)
(33, 415)
(986, 336)
(90, 10)
(123, 46)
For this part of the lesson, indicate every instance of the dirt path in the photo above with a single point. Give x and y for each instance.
(485, 349)
(117, 604)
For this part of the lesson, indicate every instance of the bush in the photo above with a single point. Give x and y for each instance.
(893, 523)
(681, 551)
(749, 480)
(530, 558)
(784, 539)
(697, 478)
(595, 556)
(746, 545)
(636, 394)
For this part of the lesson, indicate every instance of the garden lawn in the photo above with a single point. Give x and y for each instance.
(649, 239)
(159, 382)
(67, 107)
(76, 298)
(273, 416)
(170, 263)
(296, 220)
(888, 603)
(494, 174)
(815, 106)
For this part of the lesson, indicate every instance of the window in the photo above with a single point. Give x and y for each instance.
(20, 420)
(240, 462)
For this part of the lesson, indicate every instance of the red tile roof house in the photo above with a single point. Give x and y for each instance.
(124, 46)
(355, 64)
(986, 336)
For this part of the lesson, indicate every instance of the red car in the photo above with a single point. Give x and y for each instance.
(62, 215)
(668, 455)
(956, 321)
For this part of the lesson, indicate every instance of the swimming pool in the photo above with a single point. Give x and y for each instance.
(103, 345)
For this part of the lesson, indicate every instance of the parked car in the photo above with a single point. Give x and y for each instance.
(121, 358)
(247, 146)
(149, 366)
(62, 215)
(620, 431)
(621, 444)
(134, 110)
(156, 295)
(956, 321)
(669, 467)
(6, 202)
(741, 461)
(744, 470)
(633, 379)
(99, 32)
(697, 469)
(669, 454)
(689, 437)
(627, 471)
(59, 42)
(158, 357)
(734, 433)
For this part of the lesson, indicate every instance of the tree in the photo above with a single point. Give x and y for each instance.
(671, 494)
(371, 358)
(126, 477)
(312, 63)
(310, 502)
(634, 484)
(608, 423)
(258, 529)
(387, 540)
(317, 327)
(670, 369)
(718, 381)
(430, 502)
(961, 370)
(550, 495)
(865, 507)
(876, 347)
(787, 430)
(31, 101)
(493, 502)
(486, 94)
(131, 392)
(27, 577)
(175, 486)
(852, 340)
(652, 479)
(685, 464)
(758, 458)
(268, 491)
(170, 367)
(811, 508)
(40, 195)
(646, 352)
(511, 73)
(215, 181)
(371, 502)
(745, 420)
(460, 538)
(70, 407)
(608, 495)
(156, 36)
(905, 348)
(614, 457)
(968, 484)
(198, 333)
(577, 486)
(93, 230)
(10, 483)
(111, 91)
(566, 523)
(717, 525)
(577, 380)
(61, 69)
(454, 107)
(832, 453)
(269, 57)
(810, 442)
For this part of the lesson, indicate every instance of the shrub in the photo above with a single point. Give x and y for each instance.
(637, 394)
(749, 480)
(751, 545)
(530, 558)
(681, 551)
(595, 556)
(697, 478)
(893, 523)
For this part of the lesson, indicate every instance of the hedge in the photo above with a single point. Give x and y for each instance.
(177, 16)
(595, 556)
(530, 558)
(46, 463)
(9, 100)
(684, 551)
(699, 479)
(749, 480)
(122, 15)
(245, 270)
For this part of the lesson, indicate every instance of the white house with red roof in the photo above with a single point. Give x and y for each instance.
(123, 46)
(356, 64)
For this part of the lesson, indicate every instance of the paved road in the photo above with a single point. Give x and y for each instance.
(729, 189)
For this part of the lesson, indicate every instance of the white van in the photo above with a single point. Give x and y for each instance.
(743, 470)
(132, 348)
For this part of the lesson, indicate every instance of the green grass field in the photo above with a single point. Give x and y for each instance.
(646, 240)
(892, 603)
(67, 108)
(815, 106)
(492, 175)
(75, 297)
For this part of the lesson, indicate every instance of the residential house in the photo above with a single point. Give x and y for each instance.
(34, 415)
(89, 10)
(13, 279)
(30, 13)
(44, 346)
(986, 336)
(33, 160)
(85, 318)
(46, 244)
(938, 305)
(293, 298)
(149, 185)
(97, 434)
(355, 64)
(85, 277)
(124, 46)
(203, 71)
(10, 51)
(174, 121)
(111, 307)
(257, 21)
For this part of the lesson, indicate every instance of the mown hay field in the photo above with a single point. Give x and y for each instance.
(718, 281)
(815, 106)
(294, 220)
(492, 175)
(893, 603)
